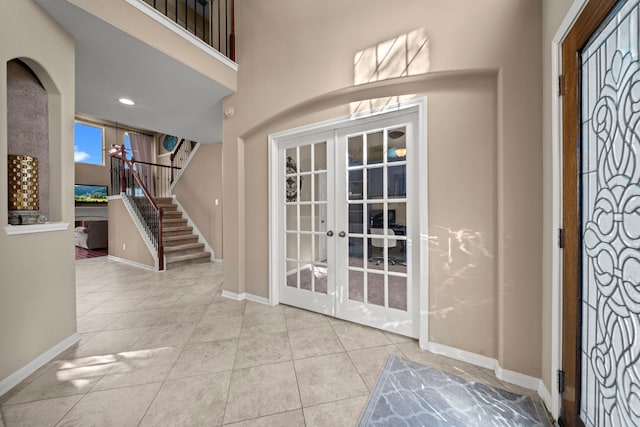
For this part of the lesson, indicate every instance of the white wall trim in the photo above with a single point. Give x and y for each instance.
(140, 227)
(184, 168)
(159, 17)
(545, 395)
(14, 379)
(346, 120)
(554, 398)
(512, 377)
(132, 263)
(190, 223)
(486, 362)
(273, 182)
(13, 230)
(422, 147)
(245, 296)
(463, 355)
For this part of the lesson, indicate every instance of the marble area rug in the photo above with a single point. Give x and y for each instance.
(409, 394)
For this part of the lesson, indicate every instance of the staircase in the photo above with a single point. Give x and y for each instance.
(181, 246)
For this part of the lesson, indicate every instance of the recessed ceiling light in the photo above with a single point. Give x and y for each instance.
(126, 101)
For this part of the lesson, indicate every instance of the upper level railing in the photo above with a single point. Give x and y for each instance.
(212, 21)
(180, 156)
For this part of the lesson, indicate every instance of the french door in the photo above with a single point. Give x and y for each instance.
(306, 223)
(346, 220)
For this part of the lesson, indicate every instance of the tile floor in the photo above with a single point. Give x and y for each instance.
(167, 349)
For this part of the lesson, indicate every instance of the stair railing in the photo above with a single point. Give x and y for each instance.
(156, 178)
(179, 157)
(211, 21)
(126, 180)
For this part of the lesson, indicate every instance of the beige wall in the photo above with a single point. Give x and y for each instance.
(37, 289)
(126, 17)
(88, 174)
(553, 13)
(125, 240)
(484, 133)
(462, 218)
(197, 190)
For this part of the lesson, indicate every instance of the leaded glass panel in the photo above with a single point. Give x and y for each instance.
(610, 184)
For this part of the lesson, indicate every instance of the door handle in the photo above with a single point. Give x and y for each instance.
(342, 234)
(329, 233)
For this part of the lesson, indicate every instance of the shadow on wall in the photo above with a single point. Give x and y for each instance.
(405, 55)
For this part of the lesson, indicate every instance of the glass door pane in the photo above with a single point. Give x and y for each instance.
(306, 208)
(377, 217)
(610, 186)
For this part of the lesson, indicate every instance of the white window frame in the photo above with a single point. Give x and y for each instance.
(102, 147)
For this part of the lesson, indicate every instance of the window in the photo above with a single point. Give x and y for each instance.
(88, 144)
(127, 145)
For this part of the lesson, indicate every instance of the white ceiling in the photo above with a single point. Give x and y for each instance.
(170, 97)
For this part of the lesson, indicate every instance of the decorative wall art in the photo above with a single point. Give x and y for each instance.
(292, 179)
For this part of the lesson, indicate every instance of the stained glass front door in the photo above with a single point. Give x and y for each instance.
(610, 185)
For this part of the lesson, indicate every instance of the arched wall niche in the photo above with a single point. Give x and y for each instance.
(32, 103)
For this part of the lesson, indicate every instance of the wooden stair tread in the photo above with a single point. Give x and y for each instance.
(182, 247)
(178, 238)
(178, 228)
(174, 221)
(172, 214)
(188, 257)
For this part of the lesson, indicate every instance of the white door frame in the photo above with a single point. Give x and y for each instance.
(419, 106)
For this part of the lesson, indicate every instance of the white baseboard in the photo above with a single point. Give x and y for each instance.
(545, 395)
(465, 356)
(218, 260)
(233, 295)
(245, 296)
(256, 298)
(512, 377)
(132, 263)
(14, 379)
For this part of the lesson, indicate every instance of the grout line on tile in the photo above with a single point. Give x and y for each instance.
(70, 409)
(152, 400)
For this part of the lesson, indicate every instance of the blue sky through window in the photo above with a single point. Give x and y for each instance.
(87, 147)
(127, 145)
